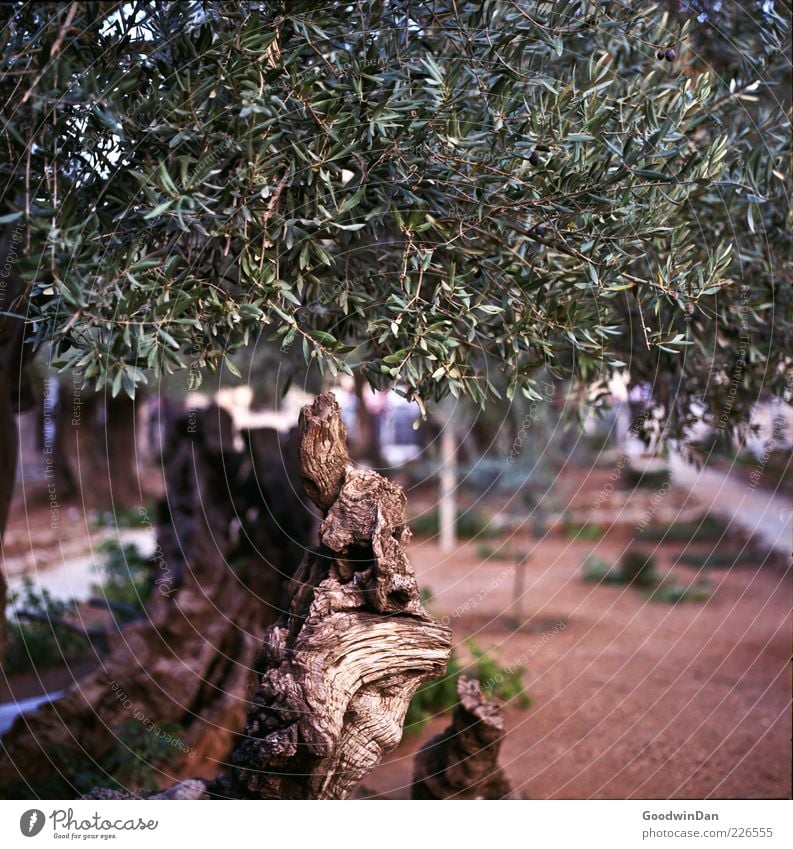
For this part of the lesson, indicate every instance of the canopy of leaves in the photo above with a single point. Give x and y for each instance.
(448, 195)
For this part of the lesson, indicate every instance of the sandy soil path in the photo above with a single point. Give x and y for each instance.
(632, 698)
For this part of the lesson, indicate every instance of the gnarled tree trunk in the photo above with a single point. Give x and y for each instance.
(340, 666)
(462, 761)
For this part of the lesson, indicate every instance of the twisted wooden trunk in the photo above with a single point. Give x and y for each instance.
(338, 668)
(341, 665)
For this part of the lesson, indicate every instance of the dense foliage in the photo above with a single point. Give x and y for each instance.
(447, 195)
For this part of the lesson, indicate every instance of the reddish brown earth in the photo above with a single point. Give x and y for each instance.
(632, 698)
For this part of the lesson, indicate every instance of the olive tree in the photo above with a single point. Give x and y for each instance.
(443, 196)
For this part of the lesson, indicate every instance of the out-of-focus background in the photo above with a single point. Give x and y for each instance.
(629, 604)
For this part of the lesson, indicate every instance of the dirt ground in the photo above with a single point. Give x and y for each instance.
(631, 698)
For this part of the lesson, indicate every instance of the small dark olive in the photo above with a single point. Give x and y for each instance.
(670, 55)
(660, 54)
(539, 231)
(534, 158)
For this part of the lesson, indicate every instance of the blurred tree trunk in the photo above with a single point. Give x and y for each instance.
(368, 438)
(120, 426)
(14, 388)
(95, 449)
(189, 660)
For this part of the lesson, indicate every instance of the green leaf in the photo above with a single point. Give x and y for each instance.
(232, 367)
(158, 210)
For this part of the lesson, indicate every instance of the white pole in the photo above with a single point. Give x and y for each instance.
(447, 501)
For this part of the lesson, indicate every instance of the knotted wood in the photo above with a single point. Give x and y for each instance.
(341, 665)
(462, 761)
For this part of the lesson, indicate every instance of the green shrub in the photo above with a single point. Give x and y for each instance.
(637, 567)
(504, 682)
(709, 529)
(34, 644)
(468, 525)
(435, 697)
(597, 570)
(141, 751)
(122, 517)
(674, 593)
(73, 774)
(585, 532)
(499, 552)
(125, 575)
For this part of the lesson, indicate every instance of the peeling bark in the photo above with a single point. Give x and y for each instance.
(340, 666)
(462, 761)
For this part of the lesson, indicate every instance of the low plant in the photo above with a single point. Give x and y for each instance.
(435, 697)
(499, 552)
(708, 529)
(125, 575)
(585, 532)
(675, 593)
(141, 752)
(468, 525)
(503, 682)
(635, 567)
(122, 517)
(134, 763)
(599, 571)
(43, 638)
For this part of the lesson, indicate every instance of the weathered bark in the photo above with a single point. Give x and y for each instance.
(340, 666)
(190, 661)
(462, 761)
